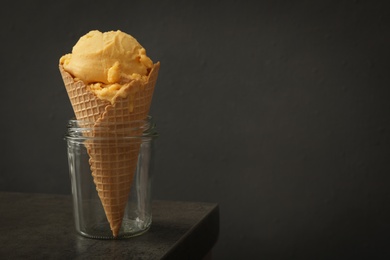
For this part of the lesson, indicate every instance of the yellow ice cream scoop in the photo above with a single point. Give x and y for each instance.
(108, 58)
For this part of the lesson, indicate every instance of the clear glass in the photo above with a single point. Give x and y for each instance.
(130, 142)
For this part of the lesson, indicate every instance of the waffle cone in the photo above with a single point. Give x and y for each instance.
(113, 159)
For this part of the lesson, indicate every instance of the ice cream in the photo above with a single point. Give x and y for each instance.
(110, 81)
(105, 61)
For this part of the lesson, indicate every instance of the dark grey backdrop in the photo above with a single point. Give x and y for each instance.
(276, 110)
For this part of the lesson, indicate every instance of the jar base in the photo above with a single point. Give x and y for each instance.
(100, 231)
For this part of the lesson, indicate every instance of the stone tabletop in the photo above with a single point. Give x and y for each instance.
(40, 226)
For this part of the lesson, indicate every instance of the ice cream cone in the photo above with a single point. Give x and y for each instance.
(113, 158)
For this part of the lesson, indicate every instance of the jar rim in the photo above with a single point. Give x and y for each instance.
(82, 129)
(85, 122)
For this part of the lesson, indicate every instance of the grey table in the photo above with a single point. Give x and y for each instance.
(40, 226)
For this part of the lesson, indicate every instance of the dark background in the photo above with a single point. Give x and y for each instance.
(276, 110)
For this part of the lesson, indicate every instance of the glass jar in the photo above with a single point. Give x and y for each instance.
(110, 166)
